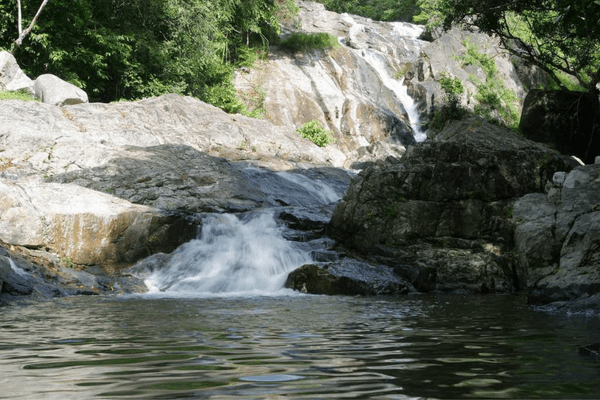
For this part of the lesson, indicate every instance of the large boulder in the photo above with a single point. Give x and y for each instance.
(567, 121)
(347, 277)
(85, 227)
(11, 76)
(558, 240)
(50, 89)
(447, 205)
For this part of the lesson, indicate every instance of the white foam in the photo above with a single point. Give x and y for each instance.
(232, 257)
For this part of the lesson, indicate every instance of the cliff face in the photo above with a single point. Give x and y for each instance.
(360, 91)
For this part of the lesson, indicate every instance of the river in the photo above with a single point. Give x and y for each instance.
(218, 324)
(292, 345)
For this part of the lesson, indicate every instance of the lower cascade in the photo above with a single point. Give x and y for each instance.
(232, 256)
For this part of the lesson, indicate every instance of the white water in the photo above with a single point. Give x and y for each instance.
(321, 190)
(232, 257)
(17, 269)
(400, 90)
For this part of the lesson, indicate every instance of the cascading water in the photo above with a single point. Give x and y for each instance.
(401, 91)
(232, 256)
(408, 32)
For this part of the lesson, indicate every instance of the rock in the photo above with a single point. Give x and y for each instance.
(449, 198)
(563, 120)
(351, 89)
(11, 76)
(5, 269)
(347, 277)
(557, 238)
(444, 57)
(110, 184)
(85, 227)
(51, 89)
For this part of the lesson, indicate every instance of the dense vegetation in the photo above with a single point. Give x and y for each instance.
(137, 48)
(131, 49)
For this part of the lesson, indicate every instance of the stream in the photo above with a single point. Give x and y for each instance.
(291, 345)
(218, 324)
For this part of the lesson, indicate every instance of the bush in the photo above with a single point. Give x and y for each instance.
(452, 109)
(313, 41)
(316, 133)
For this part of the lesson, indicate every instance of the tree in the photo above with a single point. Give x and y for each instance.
(27, 31)
(557, 35)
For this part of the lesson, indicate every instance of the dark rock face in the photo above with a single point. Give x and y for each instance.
(564, 120)
(558, 240)
(447, 206)
(347, 277)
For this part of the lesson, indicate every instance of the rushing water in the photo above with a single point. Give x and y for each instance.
(233, 255)
(300, 346)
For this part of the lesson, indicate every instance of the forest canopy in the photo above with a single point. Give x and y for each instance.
(117, 49)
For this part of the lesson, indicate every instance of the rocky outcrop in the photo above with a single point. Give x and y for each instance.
(104, 185)
(85, 227)
(448, 56)
(11, 76)
(564, 120)
(557, 239)
(347, 277)
(51, 89)
(447, 206)
(351, 89)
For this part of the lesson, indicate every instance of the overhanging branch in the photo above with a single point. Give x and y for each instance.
(24, 33)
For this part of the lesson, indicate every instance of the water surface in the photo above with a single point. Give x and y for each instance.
(309, 347)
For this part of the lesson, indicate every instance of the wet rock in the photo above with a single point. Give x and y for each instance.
(347, 277)
(447, 205)
(346, 89)
(5, 269)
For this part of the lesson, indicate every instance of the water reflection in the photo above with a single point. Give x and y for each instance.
(303, 347)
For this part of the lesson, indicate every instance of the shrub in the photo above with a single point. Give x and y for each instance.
(309, 41)
(316, 133)
(452, 109)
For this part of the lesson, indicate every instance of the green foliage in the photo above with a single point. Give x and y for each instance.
(430, 14)
(497, 103)
(16, 95)
(557, 35)
(381, 10)
(451, 109)
(297, 42)
(140, 48)
(316, 133)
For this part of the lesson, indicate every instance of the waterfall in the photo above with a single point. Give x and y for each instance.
(399, 89)
(233, 256)
(407, 32)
